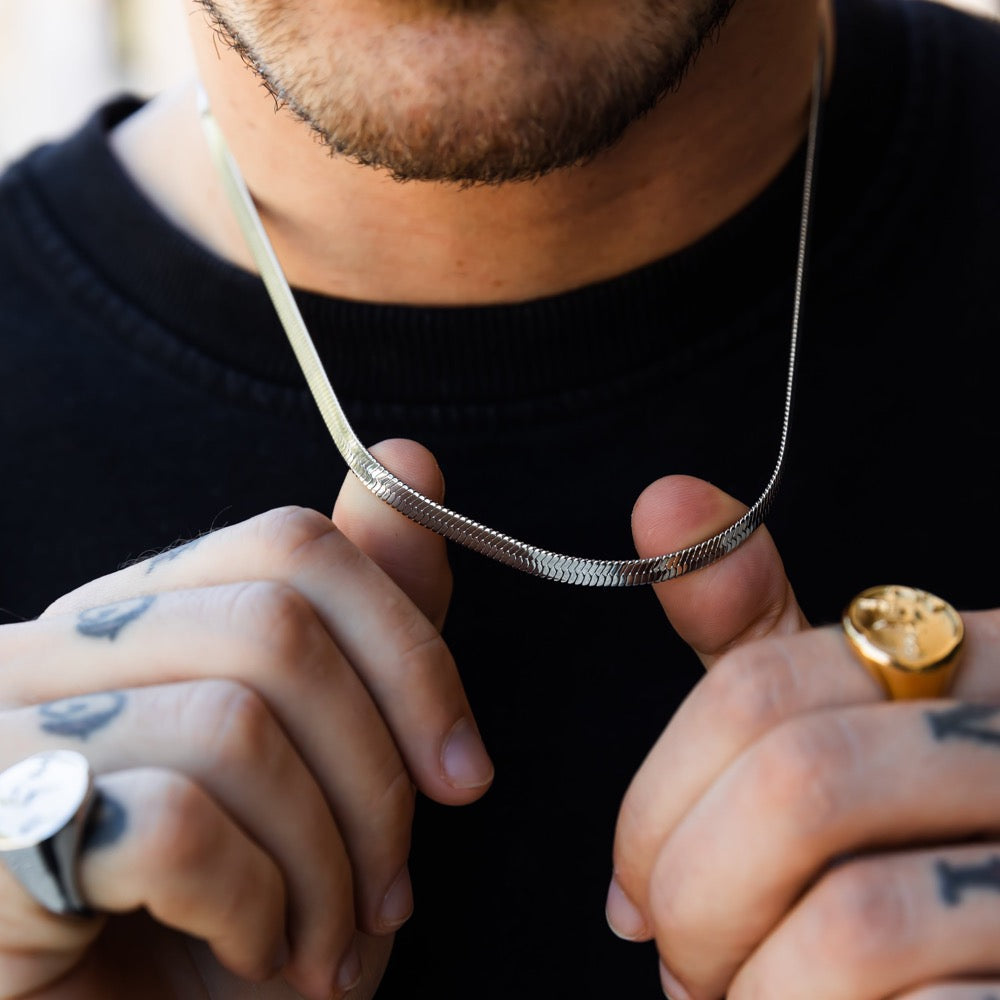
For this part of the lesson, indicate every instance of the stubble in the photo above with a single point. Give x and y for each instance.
(468, 91)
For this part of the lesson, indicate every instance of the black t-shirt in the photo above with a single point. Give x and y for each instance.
(147, 394)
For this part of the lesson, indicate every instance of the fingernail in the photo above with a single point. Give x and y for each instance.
(398, 902)
(464, 759)
(623, 917)
(672, 989)
(349, 973)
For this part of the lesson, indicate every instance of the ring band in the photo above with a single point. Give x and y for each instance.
(909, 640)
(45, 801)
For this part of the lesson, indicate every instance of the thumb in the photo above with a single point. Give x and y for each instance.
(413, 556)
(742, 597)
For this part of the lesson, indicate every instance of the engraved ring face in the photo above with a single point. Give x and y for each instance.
(40, 795)
(908, 639)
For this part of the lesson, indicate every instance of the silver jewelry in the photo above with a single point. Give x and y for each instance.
(44, 804)
(461, 529)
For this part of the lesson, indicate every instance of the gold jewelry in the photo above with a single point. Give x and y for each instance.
(908, 640)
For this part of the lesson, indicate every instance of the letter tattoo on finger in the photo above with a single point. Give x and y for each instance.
(169, 555)
(107, 621)
(956, 880)
(81, 716)
(965, 722)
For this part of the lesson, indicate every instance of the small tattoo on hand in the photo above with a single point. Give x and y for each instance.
(169, 555)
(955, 880)
(81, 716)
(965, 722)
(106, 622)
(106, 824)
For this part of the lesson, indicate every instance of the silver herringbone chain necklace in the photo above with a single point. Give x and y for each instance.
(463, 530)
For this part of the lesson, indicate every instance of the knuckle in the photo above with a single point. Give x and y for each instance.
(289, 529)
(281, 621)
(385, 823)
(235, 722)
(802, 771)
(259, 885)
(180, 828)
(863, 913)
(424, 652)
(381, 820)
(754, 687)
(636, 843)
(395, 805)
(668, 912)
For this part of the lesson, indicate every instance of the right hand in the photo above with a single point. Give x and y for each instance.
(257, 707)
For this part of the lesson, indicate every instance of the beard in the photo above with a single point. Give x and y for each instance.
(468, 91)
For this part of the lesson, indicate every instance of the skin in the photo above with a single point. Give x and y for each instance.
(792, 833)
(699, 156)
(216, 695)
(745, 849)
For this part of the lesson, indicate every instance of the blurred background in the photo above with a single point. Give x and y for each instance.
(60, 58)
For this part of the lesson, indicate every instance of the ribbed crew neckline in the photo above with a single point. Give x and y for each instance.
(684, 305)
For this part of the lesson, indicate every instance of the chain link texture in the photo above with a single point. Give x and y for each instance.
(452, 525)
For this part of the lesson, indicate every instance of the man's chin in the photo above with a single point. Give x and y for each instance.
(514, 91)
(485, 152)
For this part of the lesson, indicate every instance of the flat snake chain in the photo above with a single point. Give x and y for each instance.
(455, 526)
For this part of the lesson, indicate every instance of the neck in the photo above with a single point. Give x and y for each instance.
(346, 230)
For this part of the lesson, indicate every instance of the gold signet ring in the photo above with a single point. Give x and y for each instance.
(908, 640)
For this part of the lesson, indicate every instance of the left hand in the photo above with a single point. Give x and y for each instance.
(792, 835)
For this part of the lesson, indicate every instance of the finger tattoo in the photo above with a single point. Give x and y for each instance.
(169, 555)
(106, 622)
(956, 880)
(965, 722)
(106, 824)
(81, 716)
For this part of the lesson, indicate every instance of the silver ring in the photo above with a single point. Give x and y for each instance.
(45, 801)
